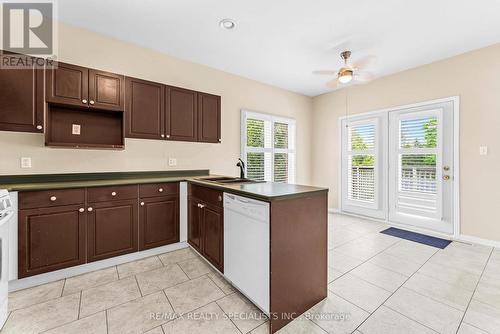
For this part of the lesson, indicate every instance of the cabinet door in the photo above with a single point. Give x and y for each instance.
(145, 117)
(195, 224)
(209, 118)
(112, 229)
(21, 99)
(67, 84)
(181, 119)
(158, 222)
(213, 237)
(106, 90)
(50, 239)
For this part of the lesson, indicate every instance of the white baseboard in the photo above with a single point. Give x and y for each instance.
(28, 282)
(479, 241)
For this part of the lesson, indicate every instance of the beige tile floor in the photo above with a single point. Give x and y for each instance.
(377, 284)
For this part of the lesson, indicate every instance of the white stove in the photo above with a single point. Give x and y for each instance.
(6, 215)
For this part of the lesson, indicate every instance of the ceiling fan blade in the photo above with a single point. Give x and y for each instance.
(363, 77)
(333, 84)
(325, 72)
(364, 62)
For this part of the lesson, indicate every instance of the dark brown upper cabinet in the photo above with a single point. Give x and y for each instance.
(181, 113)
(72, 85)
(144, 110)
(106, 90)
(209, 121)
(21, 99)
(67, 85)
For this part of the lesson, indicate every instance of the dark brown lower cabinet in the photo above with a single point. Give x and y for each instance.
(158, 221)
(195, 224)
(213, 235)
(112, 229)
(50, 239)
(206, 224)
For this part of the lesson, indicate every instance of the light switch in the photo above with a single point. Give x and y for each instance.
(172, 162)
(25, 162)
(483, 150)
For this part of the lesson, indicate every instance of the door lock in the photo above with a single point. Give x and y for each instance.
(446, 168)
(446, 177)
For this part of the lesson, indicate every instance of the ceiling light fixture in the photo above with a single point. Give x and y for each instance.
(227, 24)
(345, 75)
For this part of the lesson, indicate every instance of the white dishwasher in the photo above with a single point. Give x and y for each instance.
(246, 247)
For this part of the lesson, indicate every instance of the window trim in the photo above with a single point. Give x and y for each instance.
(245, 114)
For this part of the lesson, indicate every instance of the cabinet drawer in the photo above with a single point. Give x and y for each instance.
(49, 198)
(111, 193)
(158, 189)
(205, 194)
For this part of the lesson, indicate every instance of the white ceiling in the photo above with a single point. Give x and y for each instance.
(280, 42)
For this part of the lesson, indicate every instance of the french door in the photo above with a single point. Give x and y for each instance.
(397, 165)
(421, 167)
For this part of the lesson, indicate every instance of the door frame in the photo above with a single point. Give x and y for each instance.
(456, 160)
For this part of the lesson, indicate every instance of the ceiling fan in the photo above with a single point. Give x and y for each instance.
(347, 72)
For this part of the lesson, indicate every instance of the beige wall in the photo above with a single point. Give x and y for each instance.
(93, 50)
(475, 77)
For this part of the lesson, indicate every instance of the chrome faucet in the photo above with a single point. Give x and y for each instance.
(241, 164)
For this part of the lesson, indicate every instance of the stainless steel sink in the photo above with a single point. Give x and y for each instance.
(226, 180)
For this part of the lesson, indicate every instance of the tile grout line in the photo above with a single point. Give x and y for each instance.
(474, 292)
(107, 322)
(237, 328)
(62, 290)
(138, 287)
(80, 304)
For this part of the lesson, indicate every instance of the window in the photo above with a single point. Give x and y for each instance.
(363, 165)
(268, 147)
(361, 162)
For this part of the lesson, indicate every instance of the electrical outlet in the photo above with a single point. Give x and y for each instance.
(172, 162)
(75, 129)
(483, 150)
(25, 162)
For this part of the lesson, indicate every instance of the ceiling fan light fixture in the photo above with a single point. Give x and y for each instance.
(345, 76)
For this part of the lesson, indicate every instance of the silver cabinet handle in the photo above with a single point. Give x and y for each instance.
(162, 135)
(91, 102)
(201, 206)
(142, 203)
(220, 140)
(39, 127)
(89, 209)
(84, 101)
(53, 198)
(113, 193)
(160, 190)
(81, 209)
(168, 136)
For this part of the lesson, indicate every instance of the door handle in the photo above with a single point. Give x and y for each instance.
(446, 177)
(446, 168)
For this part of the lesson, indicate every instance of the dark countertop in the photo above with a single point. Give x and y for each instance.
(267, 191)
